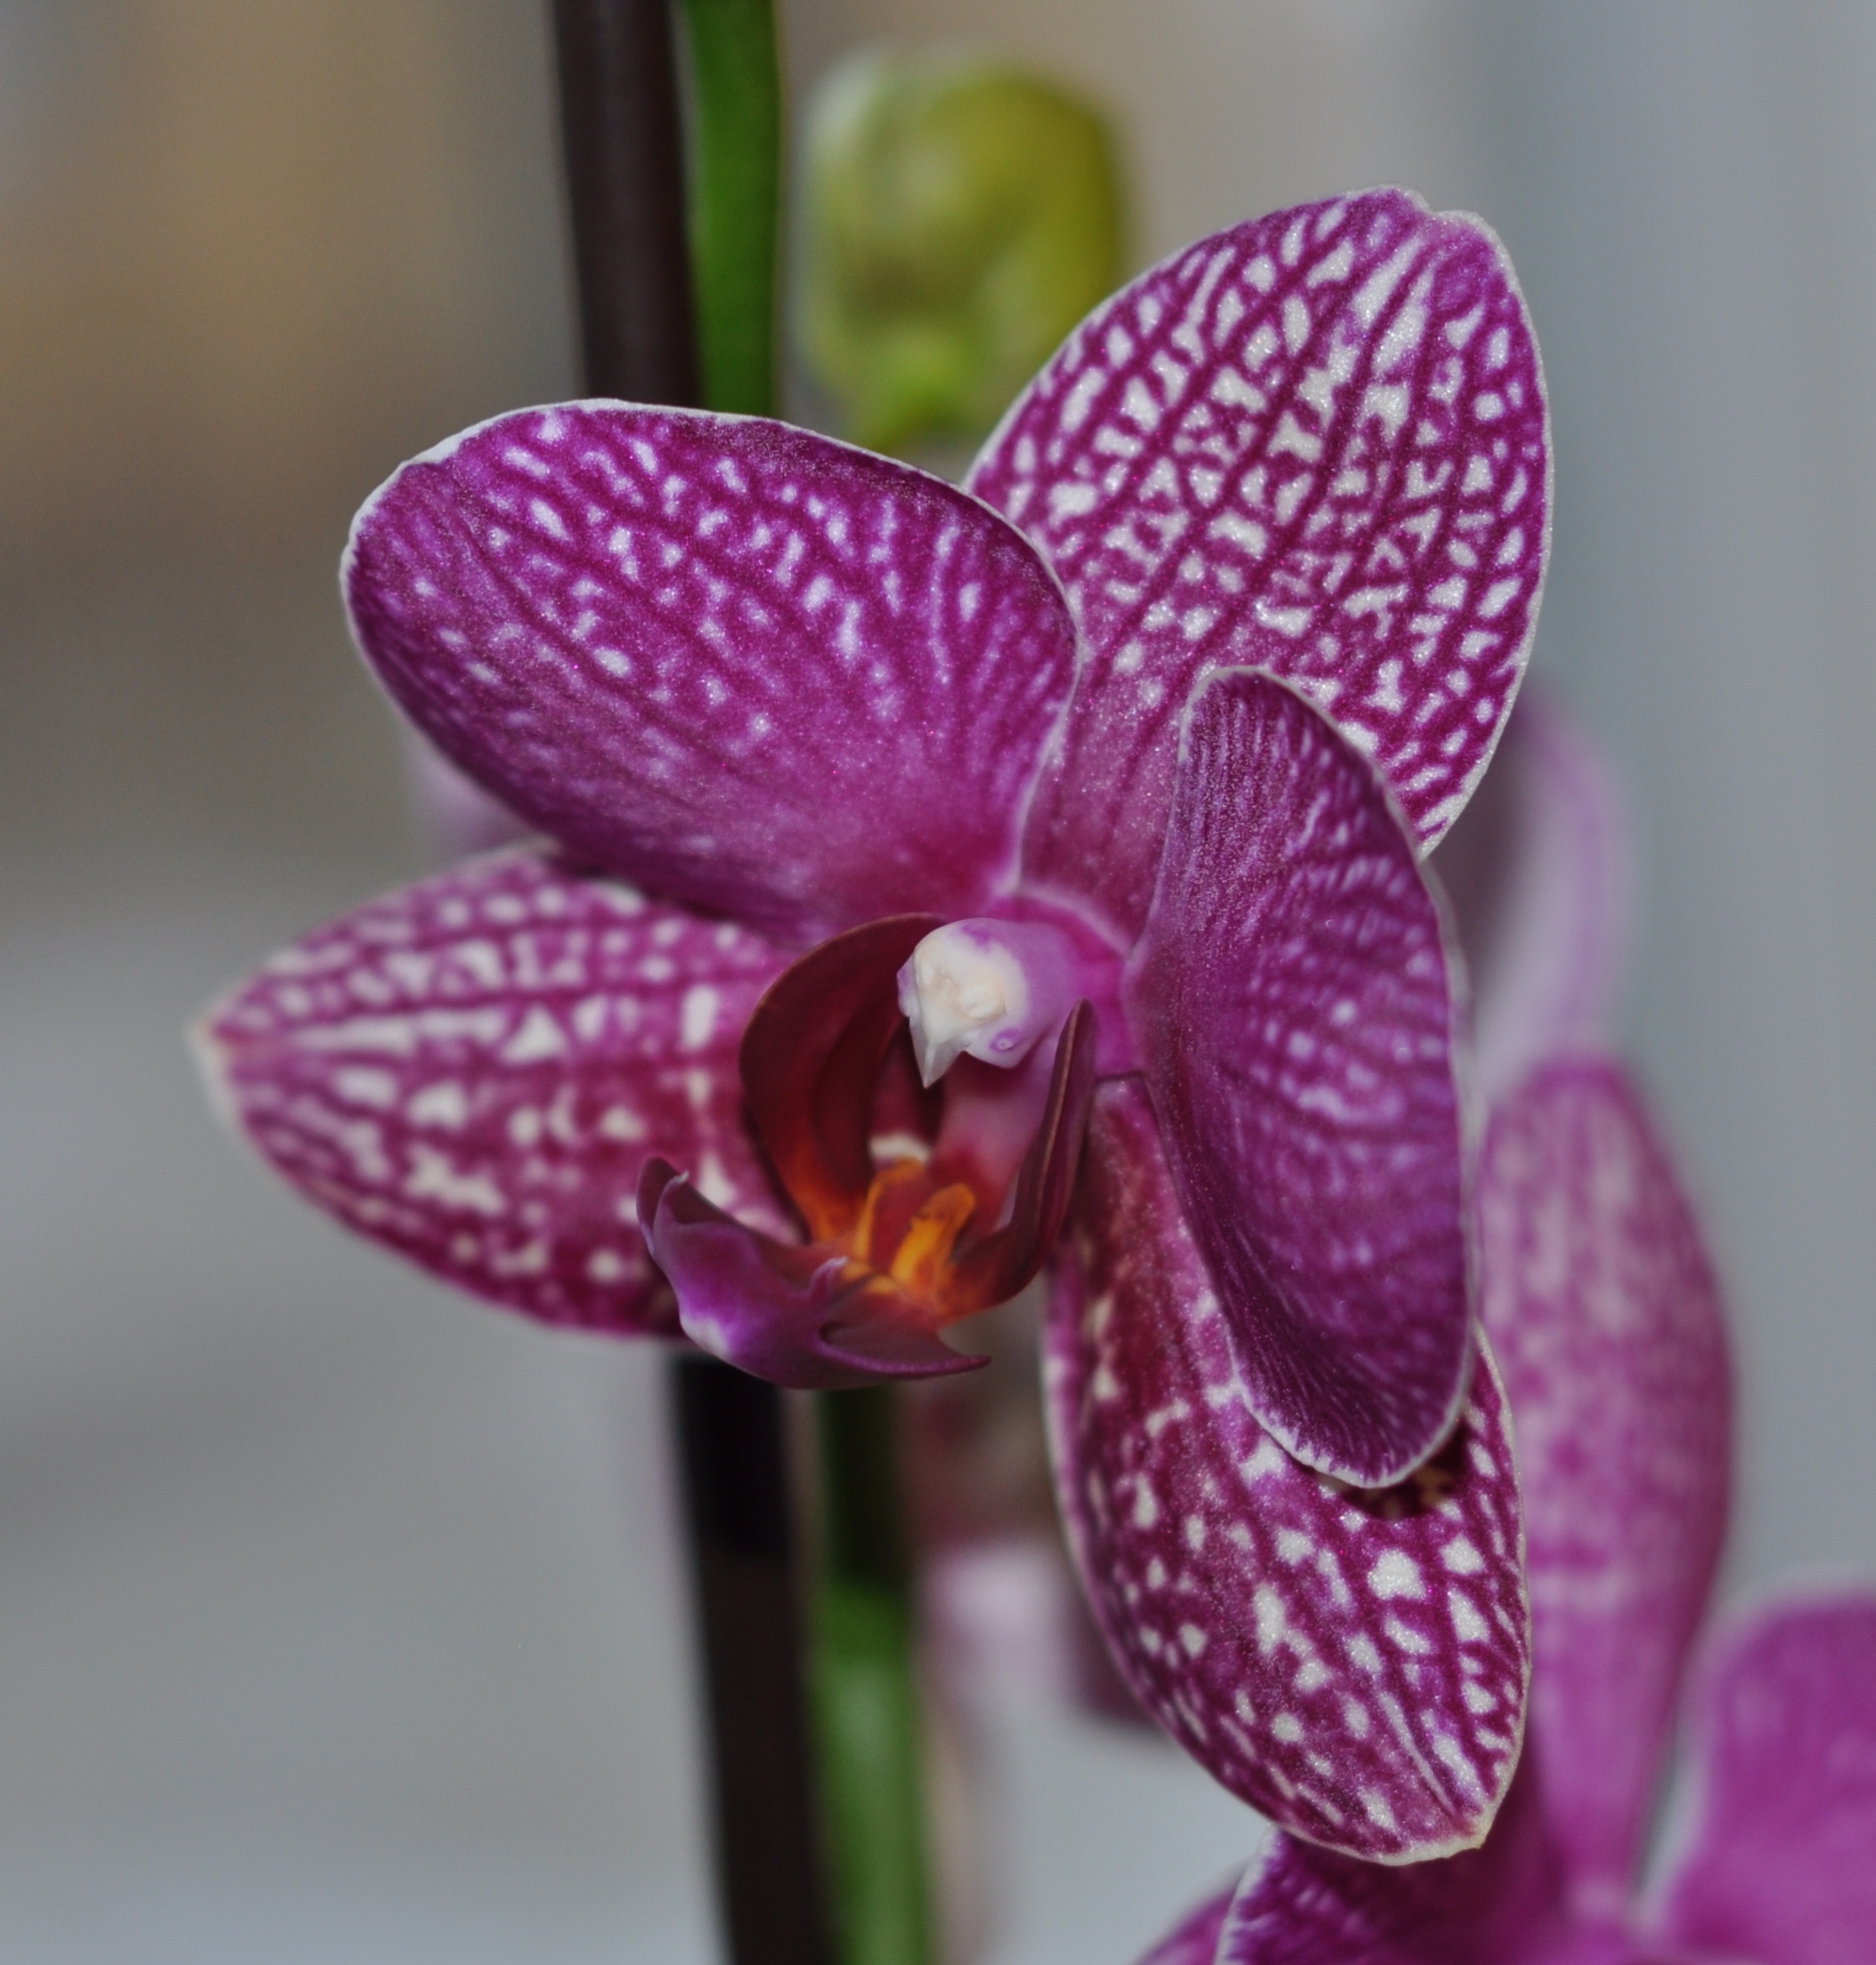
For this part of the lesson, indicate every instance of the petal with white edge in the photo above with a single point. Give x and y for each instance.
(471, 1070)
(1489, 1906)
(1317, 444)
(1353, 1664)
(741, 665)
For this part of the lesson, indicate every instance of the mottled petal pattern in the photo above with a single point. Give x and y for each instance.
(755, 669)
(1500, 1904)
(1292, 1008)
(1315, 443)
(472, 1071)
(1352, 1664)
(1601, 1304)
(1780, 1863)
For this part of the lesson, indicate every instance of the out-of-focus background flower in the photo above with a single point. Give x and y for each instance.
(339, 1619)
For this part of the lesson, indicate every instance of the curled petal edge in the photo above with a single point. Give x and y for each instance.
(791, 1314)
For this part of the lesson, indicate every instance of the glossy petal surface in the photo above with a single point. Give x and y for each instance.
(1290, 1001)
(1497, 1905)
(1351, 1664)
(1782, 1862)
(1602, 1308)
(754, 669)
(472, 1070)
(1193, 1941)
(1315, 443)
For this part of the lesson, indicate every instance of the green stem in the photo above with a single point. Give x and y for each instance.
(864, 1685)
(734, 197)
(866, 1692)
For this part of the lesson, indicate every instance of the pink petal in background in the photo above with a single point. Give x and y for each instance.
(1600, 1301)
(746, 666)
(1538, 871)
(1292, 1007)
(1316, 445)
(1780, 1857)
(471, 1070)
(1352, 1664)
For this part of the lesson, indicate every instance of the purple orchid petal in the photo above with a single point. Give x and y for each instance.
(1314, 444)
(1501, 1904)
(472, 1070)
(1353, 1664)
(1780, 1864)
(1599, 1298)
(790, 1313)
(1291, 1000)
(1193, 1941)
(754, 669)
(1538, 872)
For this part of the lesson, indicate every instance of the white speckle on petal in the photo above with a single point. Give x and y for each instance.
(539, 1036)
(1396, 1574)
(698, 1016)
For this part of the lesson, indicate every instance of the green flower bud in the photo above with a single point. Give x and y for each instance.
(960, 218)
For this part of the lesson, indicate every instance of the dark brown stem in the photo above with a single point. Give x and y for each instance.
(625, 179)
(625, 175)
(769, 1861)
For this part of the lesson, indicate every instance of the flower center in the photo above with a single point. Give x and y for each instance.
(988, 990)
(919, 1210)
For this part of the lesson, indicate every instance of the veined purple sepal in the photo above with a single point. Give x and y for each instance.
(1291, 1000)
(773, 676)
(1779, 1853)
(1352, 1664)
(1601, 1305)
(472, 1070)
(1500, 1904)
(1317, 444)
(789, 1312)
(1194, 1940)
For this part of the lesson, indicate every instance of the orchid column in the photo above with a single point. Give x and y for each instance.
(626, 177)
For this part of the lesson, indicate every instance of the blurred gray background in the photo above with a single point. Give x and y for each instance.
(339, 1619)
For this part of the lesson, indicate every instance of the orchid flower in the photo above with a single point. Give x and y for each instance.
(1098, 791)
(1604, 1311)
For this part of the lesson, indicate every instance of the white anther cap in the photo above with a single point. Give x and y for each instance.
(965, 992)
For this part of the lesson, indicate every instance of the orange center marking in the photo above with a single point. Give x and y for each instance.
(908, 1227)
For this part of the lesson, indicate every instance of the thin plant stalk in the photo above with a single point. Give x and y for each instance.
(866, 1687)
(735, 156)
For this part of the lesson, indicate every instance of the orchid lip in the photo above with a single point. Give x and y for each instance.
(988, 990)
